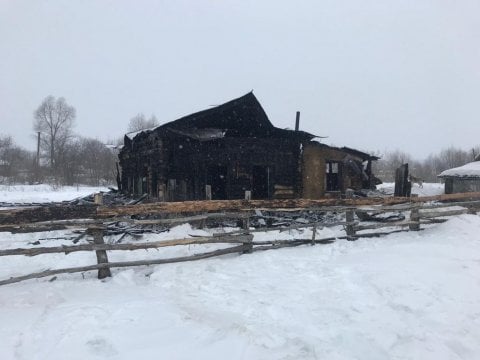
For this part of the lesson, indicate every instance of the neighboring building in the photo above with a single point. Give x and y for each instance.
(234, 148)
(462, 179)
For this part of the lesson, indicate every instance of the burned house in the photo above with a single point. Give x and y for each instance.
(233, 148)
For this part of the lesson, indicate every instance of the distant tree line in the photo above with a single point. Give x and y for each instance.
(427, 169)
(63, 158)
(14, 161)
(79, 161)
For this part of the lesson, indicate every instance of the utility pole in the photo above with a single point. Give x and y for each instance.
(37, 160)
(38, 149)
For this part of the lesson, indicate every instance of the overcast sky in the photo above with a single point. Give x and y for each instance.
(375, 75)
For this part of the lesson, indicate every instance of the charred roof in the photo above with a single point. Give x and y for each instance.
(357, 153)
(241, 117)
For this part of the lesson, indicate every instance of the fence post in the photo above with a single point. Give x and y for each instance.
(102, 257)
(350, 227)
(246, 222)
(314, 233)
(415, 216)
(203, 223)
(247, 245)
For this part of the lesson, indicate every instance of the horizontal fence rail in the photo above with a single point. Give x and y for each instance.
(359, 216)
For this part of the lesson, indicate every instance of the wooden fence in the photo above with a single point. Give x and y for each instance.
(358, 219)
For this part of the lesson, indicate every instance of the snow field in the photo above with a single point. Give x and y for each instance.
(404, 296)
(43, 193)
(428, 189)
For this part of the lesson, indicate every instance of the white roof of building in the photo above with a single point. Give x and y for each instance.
(468, 170)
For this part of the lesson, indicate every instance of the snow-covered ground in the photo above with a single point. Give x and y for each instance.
(42, 193)
(405, 296)
(47, 193)
(428, 189)
(409, 295)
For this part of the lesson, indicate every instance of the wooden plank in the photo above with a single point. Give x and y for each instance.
(62, 212)
(276, 244)
(288, 204)
(227, 239)
(292, 227)
(46, 273)
(474, 203)
(46, 213)
(190, 218)
(384, 225)
(48, 225)
(435, 214)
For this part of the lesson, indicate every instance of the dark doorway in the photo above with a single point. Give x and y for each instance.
(154, 189)
(260, 182)
(332, 172)
(217, 178)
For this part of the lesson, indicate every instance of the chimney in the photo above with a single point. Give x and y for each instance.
(297, 121)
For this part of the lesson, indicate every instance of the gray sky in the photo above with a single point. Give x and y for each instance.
(375, 75)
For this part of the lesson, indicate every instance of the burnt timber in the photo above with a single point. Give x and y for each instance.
(223, 152)
(57, 212)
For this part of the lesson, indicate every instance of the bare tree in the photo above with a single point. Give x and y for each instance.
(140, 122)
(15, 162)
(6, 144)
(476, 153)
(98, 162)
(55, 119)
(385, 167)
(453, 157)
(85, 161)
(68, 162)
(427, 169)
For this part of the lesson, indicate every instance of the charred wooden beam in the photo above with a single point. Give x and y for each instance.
(65, 212)
(284, 205)
(46, 213)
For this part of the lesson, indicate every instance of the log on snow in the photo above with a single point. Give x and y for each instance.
(225, 239)
(63, 212)
(46, 273)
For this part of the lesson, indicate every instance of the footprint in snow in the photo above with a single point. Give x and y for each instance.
(100, 346)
